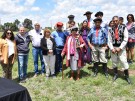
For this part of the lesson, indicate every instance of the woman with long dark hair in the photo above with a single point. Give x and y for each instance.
(7, 53)
(131, 40)
(84, 32)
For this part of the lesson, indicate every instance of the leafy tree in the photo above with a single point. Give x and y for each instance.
(16, 23)
(28, 23)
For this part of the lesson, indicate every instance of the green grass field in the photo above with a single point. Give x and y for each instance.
(88, 88)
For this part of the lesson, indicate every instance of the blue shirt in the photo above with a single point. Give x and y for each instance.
(59, 37)
(102, 36)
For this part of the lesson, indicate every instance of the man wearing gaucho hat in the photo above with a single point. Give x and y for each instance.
(60, 38)
(89, 19)
(97, 41)
(71, 18)
(100, 15)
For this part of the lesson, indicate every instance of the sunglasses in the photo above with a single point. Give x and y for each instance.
(74, 30)
(9, 33)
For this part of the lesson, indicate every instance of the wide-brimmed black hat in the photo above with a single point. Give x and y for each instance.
(71, 16)
(97, 19)
(74, 28)
(88, 12)
(99, 13)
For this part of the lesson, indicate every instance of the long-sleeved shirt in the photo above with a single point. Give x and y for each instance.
(59, 37)
(124, 42)
(102, 37)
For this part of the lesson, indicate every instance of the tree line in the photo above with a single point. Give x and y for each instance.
(14, 26)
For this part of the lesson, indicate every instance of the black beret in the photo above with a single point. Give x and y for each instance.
(88, 12)
(71, 16)
(97, 19)
(99, 13)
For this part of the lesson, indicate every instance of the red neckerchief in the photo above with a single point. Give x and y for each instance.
(116, 33)
(97, 30)
(89, 23)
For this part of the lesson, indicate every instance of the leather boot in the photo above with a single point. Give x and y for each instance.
(127, 76)
(105, 69)
(95, 69)
(115, 74)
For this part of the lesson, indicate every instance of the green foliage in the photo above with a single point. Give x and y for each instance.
(27, 23)
(9, 25)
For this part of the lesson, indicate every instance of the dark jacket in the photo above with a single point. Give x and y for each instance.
(22, 45)
(44, 46)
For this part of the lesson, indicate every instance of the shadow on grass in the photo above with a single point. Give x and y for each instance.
(110, 71)
(82, 74)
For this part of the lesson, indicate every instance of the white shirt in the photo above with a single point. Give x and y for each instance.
(36, 37)
(123, 44)
(10, 47)
(49, 43)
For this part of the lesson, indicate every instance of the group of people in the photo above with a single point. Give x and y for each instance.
(89, 44)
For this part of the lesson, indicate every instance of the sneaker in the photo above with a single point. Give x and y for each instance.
(53, 76)
(43, 74)
(47, 77)
(35, 75)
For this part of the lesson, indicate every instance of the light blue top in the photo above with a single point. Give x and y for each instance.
(59, 37)
(102, 36)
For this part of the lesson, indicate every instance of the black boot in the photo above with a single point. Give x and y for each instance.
(95, 69)
(115, 74)
(127, 76)
(105, 69)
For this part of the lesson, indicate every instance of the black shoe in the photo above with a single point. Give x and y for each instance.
(115, 74)
(95, 74)
(115, 77)
(22, 80)
(128, 80)
(53, 76)
(105, 69)
(106, 75)
(127, 76)
(95, 69)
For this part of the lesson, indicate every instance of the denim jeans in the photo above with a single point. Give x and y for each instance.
(22, 66)
(38, 52)
(58, 64)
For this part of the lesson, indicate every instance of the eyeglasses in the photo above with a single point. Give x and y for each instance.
(9, 33)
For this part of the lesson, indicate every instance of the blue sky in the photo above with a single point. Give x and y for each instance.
(48, 12)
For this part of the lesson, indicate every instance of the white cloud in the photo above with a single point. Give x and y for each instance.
(35, 9)
(63, 8)
(78, 7)
(29, 2)
(10, 7)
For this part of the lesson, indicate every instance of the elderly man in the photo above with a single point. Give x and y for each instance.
(60, 39)
(89, 19)
(22, 42)
(97, 41)
(117, 40)
(36, 35)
